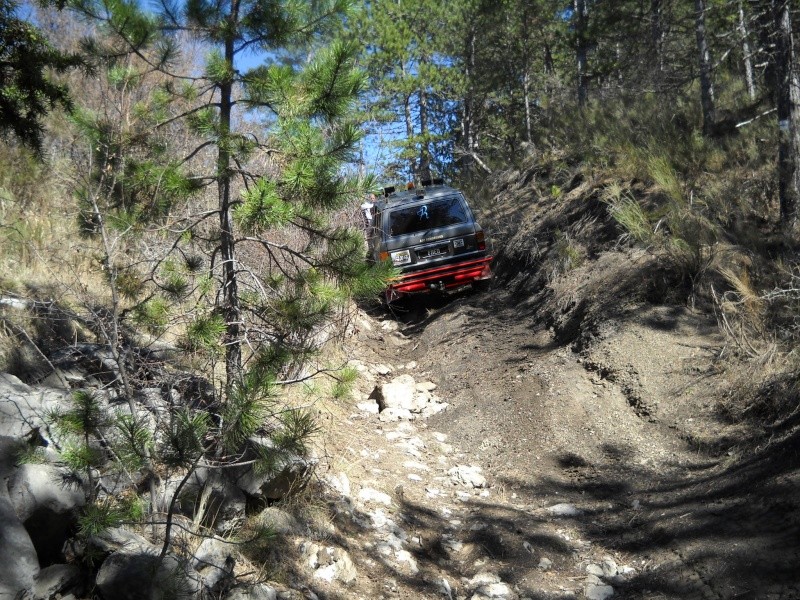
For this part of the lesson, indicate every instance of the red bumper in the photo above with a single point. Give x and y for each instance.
(441, 278)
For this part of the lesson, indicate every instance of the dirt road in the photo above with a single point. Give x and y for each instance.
(609, 470)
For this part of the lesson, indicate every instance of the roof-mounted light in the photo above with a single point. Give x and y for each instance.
(432, 182)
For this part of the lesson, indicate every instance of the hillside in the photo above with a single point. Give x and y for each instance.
(608, 426)
(578, 431)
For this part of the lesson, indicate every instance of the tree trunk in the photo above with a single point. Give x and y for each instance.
(704, 55)
(468, 115)
(788, 105)
(424, 151)
(579, 7)
(547, 60)
(747, 56)
(657, 34)
(230, 292)
(526, 71)
(409, 131)
(526, 91)
(409, 124)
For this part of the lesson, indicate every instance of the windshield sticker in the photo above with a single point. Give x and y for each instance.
(422, 213)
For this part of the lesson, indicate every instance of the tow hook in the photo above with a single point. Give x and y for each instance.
(437, 285)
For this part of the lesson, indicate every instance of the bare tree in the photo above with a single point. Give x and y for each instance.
(581, 49)
(704, 56)
(747, 54)
(788, 105)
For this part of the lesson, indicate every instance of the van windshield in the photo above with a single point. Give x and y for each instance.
(430, 215)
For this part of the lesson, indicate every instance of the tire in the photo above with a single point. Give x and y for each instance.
(482, 285)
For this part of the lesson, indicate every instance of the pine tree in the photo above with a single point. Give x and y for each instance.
(261, 264)
(311, 134)
(27, 90)
(409, 79)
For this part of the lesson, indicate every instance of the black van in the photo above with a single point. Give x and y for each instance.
(430, 234)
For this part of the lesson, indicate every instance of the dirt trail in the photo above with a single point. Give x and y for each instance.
(603, 477)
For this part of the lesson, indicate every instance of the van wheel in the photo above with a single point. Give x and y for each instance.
(482, 285)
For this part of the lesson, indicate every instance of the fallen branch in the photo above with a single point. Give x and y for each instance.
(764, 114)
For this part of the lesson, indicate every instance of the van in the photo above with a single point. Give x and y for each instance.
(431, 237)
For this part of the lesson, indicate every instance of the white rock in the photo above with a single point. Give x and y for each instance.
(411, 365)
(484, 578)
(415, 442)
(371, 495)
(434, 408)
(421, 402)
(467, 475)
(400, 392)
(384, 549)
(412, 451)
(452, 545)
(364, 323)
(414, 477)
(417, 466)
(340, 482)
(426, 386)
(444, 587)
(498, 590)
(598, 592)
(392, 415)
(368, 406)
(335, 564)
(396, 539)
(564, 510)
(256, 591)
(439, 436)
(309, 551)
(214, 559)
(382, 369)
(14, 303)
(610, 568)
(545, 564)
(378, 519)
(389, 325)
(404, 556)
(20, 564)
(595, 570)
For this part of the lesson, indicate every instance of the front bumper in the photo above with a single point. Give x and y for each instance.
(441, 278)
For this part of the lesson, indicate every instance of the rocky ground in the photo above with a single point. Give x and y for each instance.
(594, 469)
(486, 454)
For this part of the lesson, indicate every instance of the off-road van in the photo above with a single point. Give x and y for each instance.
(430, 234)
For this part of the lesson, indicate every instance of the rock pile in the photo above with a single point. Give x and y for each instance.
(43, 500)
(403, 399)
